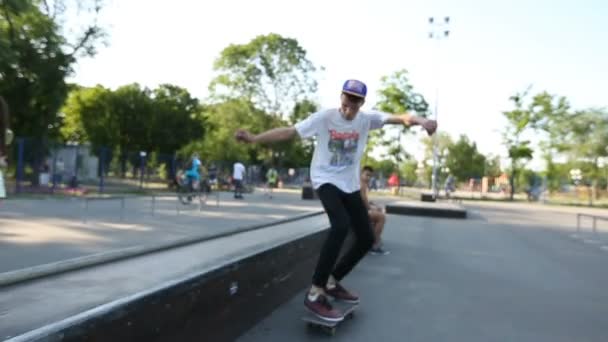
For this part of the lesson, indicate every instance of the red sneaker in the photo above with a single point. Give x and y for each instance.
(321, 308)
(341, 294)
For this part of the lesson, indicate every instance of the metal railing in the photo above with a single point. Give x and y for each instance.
(152, 209)
(594, 219)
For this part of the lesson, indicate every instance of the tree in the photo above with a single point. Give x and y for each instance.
(270, 71)
(443, 141)
(527, 179)
(302, 110)
(550, 113)
(177, 118)
(111, 119)
(299, 153)
(396, 95)
(132, 119)
(586, 142)
(464, 161)
(223, 119)
(408, 172)
(581, 136)
(492, 166)
(37, 52)
(519, 120)
(384, 167)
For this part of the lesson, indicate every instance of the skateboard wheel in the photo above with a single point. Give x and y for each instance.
(332, 331)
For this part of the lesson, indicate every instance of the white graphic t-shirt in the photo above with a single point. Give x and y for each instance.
(340, 145)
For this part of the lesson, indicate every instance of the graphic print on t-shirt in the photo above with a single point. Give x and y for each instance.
(343, 147)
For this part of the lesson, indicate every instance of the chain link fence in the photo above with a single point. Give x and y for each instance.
(38, 166)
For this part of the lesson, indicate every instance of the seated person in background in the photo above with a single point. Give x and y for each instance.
(376, 213)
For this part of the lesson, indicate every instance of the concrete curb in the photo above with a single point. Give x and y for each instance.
(429, 210)
(36, 272)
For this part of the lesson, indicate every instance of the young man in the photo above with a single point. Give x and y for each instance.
(376, 214)
(341, 138)
(238, 173)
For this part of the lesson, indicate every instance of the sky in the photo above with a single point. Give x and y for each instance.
(495, 49)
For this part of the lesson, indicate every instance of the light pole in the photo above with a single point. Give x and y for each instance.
(606, 169)
(142, 157)
(438, 31)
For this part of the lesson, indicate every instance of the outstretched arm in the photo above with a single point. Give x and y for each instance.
(411, 120)
(270, 136)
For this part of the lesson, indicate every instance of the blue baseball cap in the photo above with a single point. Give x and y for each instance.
(355, 88)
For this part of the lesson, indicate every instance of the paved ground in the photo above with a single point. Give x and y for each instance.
(52, 300)
(34, 232)
(508, 273)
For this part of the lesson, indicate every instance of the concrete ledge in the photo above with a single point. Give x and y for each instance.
(239, 280)
(427, 197)
(437, 209)
(31, 273)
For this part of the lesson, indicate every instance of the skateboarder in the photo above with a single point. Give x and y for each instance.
(376, 214)
(341, 135)
(238, 174)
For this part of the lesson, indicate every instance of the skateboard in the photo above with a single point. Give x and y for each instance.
(329, 327)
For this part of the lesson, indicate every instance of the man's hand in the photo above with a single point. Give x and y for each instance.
(429, 125)
(245, 136)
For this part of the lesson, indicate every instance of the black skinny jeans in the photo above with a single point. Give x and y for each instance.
(238, 187)
(345, 211)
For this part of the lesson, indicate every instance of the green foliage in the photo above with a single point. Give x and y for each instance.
(270, 71)
(557, 174)
(464, 161)
(551, 115)
(443, 142)
(581, 136)
(302, 110)
(396, 95)
(408, 172)
(177, 118)
(587, 137)
(223, 120)
(526, 179)
(520, 119)
(492, 166)
(87, 117)
(133, 118)
(36, 55)
(384, 167)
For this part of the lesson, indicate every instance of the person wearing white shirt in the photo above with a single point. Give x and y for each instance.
(341, 135)
(6, 136)
(238, 173)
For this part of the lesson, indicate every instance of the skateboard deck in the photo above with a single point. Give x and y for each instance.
(326, 326)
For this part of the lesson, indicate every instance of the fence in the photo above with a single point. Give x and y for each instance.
(36, 166)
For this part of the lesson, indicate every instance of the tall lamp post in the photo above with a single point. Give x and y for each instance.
(439, 30)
